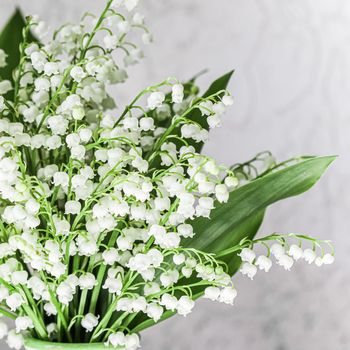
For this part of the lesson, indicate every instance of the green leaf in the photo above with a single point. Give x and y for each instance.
(242, 215)
(219, 84)
(10, 39)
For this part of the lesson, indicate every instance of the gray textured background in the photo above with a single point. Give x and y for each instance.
(292, 96)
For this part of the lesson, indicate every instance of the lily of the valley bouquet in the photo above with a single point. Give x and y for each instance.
(112, 219)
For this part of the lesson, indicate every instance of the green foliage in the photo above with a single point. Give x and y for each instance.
(11, 37)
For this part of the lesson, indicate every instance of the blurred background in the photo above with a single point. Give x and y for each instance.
(292, 96)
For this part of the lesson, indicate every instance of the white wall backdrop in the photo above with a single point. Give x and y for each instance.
(292, 96)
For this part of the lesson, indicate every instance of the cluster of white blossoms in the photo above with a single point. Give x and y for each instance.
(285, 254)
(95, 203)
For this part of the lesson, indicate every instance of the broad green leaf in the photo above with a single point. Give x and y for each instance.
(219, 84)
(241, 216)
(10, 38)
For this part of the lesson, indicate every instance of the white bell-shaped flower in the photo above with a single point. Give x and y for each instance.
(309, 255)
(23, 323)
(248, 269)
(264, 263)
(295, 252)
(247, 255)
(285, 261)
(227, 295)
(89, 322)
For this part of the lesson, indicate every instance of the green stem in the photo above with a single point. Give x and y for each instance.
(39, 328)
(104, 322)
(97, 289)
(20, 70)
(8, 313)
(80, 312)
(115, 325)
(286, 162)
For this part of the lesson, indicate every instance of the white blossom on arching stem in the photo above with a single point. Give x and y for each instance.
(264, 263)
(247, 255)
(14, 301)
(309, 255)
(177, 93)
(89, 322)
(277, 250)
(248, 269)
(155, 100)
(116, 339)
(285, 261)
(295, 252)
(212, 293)
(185, 305)
(23, 323)
(227, 295)
(328, 259)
